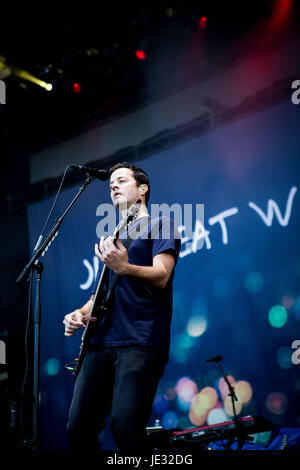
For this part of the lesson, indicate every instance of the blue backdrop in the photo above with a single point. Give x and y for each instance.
(236, 291)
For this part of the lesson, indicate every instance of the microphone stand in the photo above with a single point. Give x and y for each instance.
(234, 398)
(35, 265)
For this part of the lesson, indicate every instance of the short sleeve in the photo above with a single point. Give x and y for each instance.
(166, 237)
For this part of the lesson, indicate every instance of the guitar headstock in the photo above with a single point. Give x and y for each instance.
(132, 212)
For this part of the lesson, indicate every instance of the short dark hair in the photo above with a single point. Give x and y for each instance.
(139, 175)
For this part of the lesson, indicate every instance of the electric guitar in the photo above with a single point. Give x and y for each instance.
(100, 304)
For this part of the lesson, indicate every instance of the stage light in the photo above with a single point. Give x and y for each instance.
(186, 388)
(243, 391)
(202, 22)
(169, 420)
(216, 415)
(277, 316)
(228, 408)
(223, 387)
(197, 419)
(196, 326)
(253, 282)
(276, 403)
(284, 357)
(204, 401)
(282, 10)
(45, 85)
(287, 301)
(140, 54)
(52, 366)
(77, 88)
(30, 78)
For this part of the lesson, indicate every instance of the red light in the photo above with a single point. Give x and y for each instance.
(281, 11)
(77, 88)
(140, 54)
(202, 22)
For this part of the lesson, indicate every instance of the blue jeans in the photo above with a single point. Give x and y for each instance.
(122, 382)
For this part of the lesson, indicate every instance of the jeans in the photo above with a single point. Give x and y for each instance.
(122, 382)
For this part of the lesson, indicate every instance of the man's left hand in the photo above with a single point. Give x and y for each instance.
(115, 257)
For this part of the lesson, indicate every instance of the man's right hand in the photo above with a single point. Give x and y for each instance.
(73, 321)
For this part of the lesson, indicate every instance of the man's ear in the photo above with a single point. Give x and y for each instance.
(143, 188)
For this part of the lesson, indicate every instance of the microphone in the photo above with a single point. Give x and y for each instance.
(100, 174)
(214, 359)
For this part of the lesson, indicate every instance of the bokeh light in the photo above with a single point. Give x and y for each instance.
(287, 301)
(223, 387)
(277, 316)
(197, 325)
(262, 438)
(217, 415)
(197, 419)
(183, 422)
(170, 393)
(284, 357)
(210, 397)
(243, 391)
(229, 408)
(52, 366)
(202, 402)
(161, 403)
(186, 389)
(181, 347)
(276, 403)
(253, 282)
(296, 308)
(169, 420)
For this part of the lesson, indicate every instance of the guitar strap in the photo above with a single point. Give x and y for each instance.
(114, 276)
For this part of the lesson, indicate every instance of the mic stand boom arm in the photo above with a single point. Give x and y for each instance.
(53, 232)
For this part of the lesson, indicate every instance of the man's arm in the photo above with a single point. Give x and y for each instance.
(116, 258)
(156, 275)
(78, 318)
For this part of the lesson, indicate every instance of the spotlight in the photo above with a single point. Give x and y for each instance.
(202, 22)
(77, 88)
(140, 54)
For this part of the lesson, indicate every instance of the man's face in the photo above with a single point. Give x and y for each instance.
(123, 188)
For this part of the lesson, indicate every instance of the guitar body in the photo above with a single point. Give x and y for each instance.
(101, 304)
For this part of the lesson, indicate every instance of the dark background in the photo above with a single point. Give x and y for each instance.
(97, 50)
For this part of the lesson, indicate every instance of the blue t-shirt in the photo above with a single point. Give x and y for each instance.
(141, 315)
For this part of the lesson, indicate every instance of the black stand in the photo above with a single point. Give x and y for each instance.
(36, 266)
(234, 398)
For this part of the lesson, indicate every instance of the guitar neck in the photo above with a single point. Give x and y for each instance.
(130, 216)
(103, 276)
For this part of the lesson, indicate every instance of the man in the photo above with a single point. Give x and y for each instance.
(128, 353)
